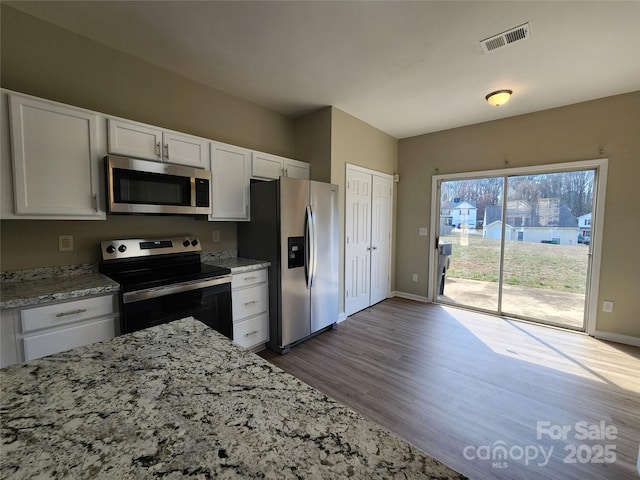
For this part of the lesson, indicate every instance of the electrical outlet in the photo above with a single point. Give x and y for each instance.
(216, 236)
(422, 232)
(414, 277)
(607, 306)
(65, 243)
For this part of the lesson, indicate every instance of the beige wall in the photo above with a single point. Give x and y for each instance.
(331, 138)
(571, 133)
(40, 59)
(34, 243)
(313, 143)
(356, 142)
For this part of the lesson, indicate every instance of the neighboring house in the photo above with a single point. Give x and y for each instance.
(459, 214)
(584, 224)
(547, 221)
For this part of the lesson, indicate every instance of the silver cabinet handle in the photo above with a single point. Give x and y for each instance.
(251, 333)
(158, 149)
(250, 303)
(166, 150)
(72, 312)
(249, 278)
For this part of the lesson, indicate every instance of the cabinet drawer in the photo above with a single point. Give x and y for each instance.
(63, 313)
(249, 301)
(249, 278)
(41, 345)
(252, 332)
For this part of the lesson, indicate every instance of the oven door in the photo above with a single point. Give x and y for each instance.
(206, 300)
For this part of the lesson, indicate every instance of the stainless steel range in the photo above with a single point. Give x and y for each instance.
(162, 280)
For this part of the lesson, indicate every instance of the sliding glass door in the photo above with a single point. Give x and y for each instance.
(469, 260)
(517, 245)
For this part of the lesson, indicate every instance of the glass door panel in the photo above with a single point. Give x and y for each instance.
(546, 252)
(470, 231)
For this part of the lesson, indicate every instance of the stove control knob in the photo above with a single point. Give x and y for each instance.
(194, 242)
(122, 248)
(186, 243)
(111, 249)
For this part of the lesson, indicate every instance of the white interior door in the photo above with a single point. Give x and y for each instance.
(380, 238)
(367, 238)
(357, 241)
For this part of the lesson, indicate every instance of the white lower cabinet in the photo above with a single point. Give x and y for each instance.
(8, 345)
(56, 327)
(250, 301)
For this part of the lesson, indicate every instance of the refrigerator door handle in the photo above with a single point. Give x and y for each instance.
(310, 240)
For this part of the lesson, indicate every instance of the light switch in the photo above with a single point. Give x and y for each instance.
(607, 306)
(422, 232)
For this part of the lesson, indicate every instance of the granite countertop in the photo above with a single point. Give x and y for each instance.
(25, 288)
(237, 264)
(33, 287)
(181, 400)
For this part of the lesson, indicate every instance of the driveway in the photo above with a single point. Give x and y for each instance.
(535, 303)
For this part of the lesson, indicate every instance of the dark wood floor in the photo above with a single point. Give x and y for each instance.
(460, 385)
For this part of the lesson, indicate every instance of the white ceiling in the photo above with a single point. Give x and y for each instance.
(404, 67)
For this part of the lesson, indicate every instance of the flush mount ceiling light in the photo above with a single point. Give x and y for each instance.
(499, 97)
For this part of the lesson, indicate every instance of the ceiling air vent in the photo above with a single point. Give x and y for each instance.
(516, 34)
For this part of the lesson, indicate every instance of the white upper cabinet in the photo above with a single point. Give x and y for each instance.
(55, 156)
(296, 169)
(186, 150)
(135, 140)
(138, 140)
(268, 166)
(230, 177)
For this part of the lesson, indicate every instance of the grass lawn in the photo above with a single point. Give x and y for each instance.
(536, 265)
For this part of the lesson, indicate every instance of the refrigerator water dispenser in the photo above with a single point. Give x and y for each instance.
(295, 251)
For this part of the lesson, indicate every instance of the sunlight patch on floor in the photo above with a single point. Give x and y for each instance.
(543, 346)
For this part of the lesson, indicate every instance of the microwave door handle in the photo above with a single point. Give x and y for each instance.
(193, 192)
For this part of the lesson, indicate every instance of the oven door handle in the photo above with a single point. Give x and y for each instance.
(146, 294)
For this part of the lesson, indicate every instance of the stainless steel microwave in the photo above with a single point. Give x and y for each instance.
(142, 186)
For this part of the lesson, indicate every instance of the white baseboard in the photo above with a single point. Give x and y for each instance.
(342, 317)
(410, 296)
(617, 337)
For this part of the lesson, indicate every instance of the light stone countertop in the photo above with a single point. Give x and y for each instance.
(14, 294)
(24, 288)
(237, 264)
(180, 400)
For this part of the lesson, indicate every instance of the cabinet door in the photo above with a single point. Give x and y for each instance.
(135, 140)
(55, 159)
(185, 150)
(253, 332)
(230, 176)
(6, 177)
(48, 343)
(267, 166)
(9, 354)
(296, 169)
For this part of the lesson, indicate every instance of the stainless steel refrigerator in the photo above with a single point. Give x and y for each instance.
(294, 225)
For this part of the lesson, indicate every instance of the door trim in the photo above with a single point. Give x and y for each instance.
(600, 165)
